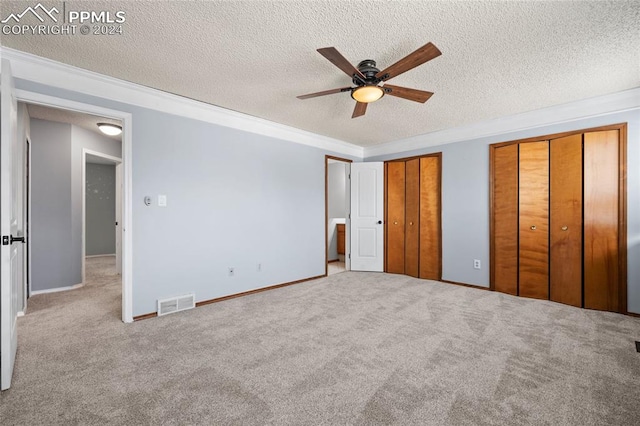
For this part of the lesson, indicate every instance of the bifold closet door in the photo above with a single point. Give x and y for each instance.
(505, 219)
(601, 204)
(412, 217)
(565, 259)
(430, 218)
(533, 233)
(395, 216)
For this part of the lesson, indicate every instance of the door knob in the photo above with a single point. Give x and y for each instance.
(533, 227)
(395, 223)
(379, 222)
(564, 228)
(411, 223)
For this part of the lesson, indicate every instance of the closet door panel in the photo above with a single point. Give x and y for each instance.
(412, 216)
(601, 194)
(566, 220)
(534, 220)
(430, 262)
(395, 216)
(505, 219)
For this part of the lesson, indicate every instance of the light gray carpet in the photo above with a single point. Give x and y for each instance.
(353, 348)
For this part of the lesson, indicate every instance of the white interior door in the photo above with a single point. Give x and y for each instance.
(367, 211)
(10, 252)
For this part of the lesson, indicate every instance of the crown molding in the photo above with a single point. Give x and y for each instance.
(586, 108)
(56, 74)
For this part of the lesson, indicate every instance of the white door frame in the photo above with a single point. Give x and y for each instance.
(118, 163)
(127, 193)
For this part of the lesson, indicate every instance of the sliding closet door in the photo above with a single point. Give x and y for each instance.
(566, 220)
(601, 203)
(505, 219)
(412, 217)
(430, 263)
(534, 220)
(395, 216)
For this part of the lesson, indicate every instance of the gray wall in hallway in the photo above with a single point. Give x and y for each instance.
(57, 179)
(465, 199)
(51, 253)
(100, 209)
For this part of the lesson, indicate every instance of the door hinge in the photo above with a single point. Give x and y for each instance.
(349, 175)
(5, 240)
(349, 255)
(349, 215)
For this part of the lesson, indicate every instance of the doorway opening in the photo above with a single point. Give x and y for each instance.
(101, 214)
(85, 145)
(337, 214)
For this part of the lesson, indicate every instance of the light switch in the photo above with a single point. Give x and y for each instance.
(162, 201)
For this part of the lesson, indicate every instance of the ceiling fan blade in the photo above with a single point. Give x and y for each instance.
(405, 93)
(412, 60)
(326, 92)
(360, 109)
(336, 58)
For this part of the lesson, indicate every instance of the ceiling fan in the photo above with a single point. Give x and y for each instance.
(367, 77)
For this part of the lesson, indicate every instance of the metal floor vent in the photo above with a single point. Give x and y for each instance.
(176, 304)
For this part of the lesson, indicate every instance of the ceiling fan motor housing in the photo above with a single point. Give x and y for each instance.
(369, 70)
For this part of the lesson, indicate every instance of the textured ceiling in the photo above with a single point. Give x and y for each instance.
(498, 58)
(86, 121)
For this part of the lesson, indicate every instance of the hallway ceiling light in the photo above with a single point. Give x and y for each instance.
(110, 129)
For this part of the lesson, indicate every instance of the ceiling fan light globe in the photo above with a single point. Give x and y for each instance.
(367, 94)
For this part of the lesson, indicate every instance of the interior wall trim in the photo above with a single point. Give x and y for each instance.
(626, 100)
(56, 74)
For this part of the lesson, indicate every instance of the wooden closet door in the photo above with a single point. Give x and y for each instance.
(565, 264)
(412, 217)
(395, 216)
(430, 262)
(505, 219)
(533, 203)
(601, 180)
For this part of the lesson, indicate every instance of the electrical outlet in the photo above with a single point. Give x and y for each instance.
(477, 264)
(232, 271)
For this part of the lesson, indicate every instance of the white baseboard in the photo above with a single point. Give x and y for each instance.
(100, 255)
(20, 314)
(55, 290)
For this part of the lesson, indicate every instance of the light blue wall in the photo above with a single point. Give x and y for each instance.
(238, 199)
(465, 199)
(235, 199)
